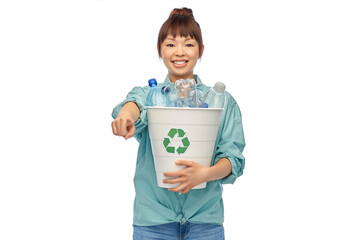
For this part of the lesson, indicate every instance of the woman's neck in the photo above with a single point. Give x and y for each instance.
(174, 78)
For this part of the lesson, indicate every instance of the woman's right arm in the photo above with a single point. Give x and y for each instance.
(124, 123)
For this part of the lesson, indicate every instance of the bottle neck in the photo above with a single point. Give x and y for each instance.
(216, 91)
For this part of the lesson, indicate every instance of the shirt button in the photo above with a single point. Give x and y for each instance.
(179, 193)
(183, 220)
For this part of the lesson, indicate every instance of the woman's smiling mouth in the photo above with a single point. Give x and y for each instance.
(179, 63)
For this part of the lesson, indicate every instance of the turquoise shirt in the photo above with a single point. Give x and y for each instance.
(154, 205)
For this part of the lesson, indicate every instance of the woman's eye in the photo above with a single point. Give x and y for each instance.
(170, 45)
(189, 45)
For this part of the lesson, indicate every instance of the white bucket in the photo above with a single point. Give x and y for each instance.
(182, 134)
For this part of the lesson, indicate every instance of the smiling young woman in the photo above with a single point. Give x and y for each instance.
(180, 55)
(181, 212)
(180, 44)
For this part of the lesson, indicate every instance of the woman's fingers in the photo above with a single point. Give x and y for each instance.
(182, 188)
(173, 174)
(113, 126)
(130, 127)
(123, 127)
(173, 180)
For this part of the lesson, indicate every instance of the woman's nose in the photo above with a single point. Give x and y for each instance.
(179, 51)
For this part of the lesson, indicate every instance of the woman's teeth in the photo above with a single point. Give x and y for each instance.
(179, 63)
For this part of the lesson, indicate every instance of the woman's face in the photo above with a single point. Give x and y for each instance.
(180, 55)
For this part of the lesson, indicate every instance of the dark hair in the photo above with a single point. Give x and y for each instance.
(180, 22)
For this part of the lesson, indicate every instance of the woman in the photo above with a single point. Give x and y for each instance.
(180, 212)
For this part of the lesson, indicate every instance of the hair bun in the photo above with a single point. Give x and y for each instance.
(182, 11)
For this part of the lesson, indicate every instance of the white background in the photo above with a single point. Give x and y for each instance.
(293, 67)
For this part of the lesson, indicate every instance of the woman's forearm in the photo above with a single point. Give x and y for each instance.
(130, 109)
(220, 170)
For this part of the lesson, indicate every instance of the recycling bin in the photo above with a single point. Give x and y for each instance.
(182, 134)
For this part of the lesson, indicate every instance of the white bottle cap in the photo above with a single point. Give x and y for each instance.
(219, 87)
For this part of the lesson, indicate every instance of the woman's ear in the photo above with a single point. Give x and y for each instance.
(201, 51)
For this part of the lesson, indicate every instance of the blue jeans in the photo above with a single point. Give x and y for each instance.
(179, 231)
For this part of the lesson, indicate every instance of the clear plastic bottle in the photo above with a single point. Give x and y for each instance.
(197, 98)
(186, 91)
(215, 97)
(170, 95)
(155, 96)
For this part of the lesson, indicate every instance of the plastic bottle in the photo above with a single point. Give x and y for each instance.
(185, 90)
(154, 96)
(215, 97)
(170, 95)
(197, 98)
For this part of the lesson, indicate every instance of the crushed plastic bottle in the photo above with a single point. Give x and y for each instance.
(155, 96)
(186, 93)
(215, 97)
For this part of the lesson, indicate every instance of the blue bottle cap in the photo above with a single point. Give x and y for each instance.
(205, 105)
(152, 82)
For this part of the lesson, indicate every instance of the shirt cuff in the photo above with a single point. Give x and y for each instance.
(237, 166)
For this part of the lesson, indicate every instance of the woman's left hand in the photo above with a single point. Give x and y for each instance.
(194, 174)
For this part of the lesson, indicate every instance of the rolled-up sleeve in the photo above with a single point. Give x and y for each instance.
(231, 142)
(138, 96)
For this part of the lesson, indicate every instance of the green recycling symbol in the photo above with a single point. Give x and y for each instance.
(181, 135)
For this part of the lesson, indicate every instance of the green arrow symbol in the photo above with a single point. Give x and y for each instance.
(186, 142)
(181, 150)
(172, 132)
(170, 149)
(181, 132)
(166, 142)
